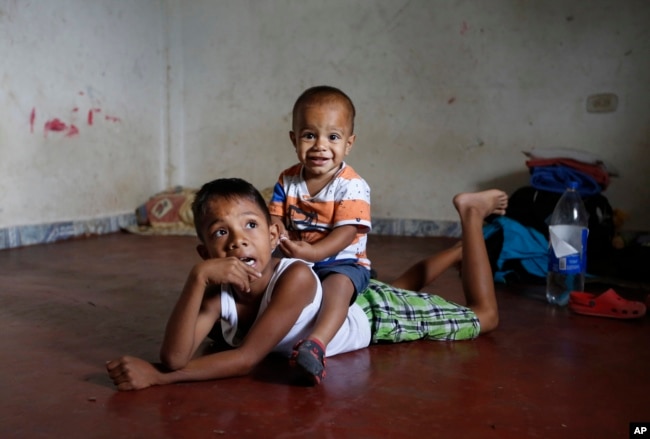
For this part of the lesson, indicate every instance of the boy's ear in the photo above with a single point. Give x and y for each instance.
(292, 136)
(351, 140)
(274, 235)
(202, 251)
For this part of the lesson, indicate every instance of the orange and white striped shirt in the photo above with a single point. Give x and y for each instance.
(345, 200)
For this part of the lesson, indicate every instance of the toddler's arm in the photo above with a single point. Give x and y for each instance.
(329, 246)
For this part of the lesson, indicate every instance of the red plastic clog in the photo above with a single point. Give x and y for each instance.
(607, 304)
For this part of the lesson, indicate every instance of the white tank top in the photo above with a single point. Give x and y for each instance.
(354, 333)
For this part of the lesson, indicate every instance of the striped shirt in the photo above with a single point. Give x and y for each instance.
(345, 200)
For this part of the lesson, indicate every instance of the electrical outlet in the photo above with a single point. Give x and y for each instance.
(602, 103)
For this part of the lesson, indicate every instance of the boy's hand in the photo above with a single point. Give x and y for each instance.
(130, 373)
(297, 249)
(228, 270)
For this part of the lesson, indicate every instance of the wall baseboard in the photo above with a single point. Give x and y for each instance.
(20, 236)
(414, 227)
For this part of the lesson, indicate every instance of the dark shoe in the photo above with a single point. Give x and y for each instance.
(309, 355)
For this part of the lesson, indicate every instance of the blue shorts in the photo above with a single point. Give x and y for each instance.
(358, 274)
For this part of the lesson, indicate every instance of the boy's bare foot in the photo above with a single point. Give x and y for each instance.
(485, 203)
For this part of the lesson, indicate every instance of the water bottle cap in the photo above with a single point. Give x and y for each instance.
(574, 185)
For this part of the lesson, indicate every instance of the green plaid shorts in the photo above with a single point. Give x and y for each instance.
(397, 315)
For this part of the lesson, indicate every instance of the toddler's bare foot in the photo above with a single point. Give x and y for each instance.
(485, 203)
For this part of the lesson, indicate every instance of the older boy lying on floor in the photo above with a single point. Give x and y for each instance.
(264, 304)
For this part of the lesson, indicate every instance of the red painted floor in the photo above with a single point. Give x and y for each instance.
(66, 308)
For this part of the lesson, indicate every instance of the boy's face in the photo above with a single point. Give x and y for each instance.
(237, 227)
(322, 136)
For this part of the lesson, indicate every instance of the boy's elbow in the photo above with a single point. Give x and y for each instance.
(244, 369)
(173, 360)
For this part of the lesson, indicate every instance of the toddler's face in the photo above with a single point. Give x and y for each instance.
(322, 137)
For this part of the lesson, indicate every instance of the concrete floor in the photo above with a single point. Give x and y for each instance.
(67, 308)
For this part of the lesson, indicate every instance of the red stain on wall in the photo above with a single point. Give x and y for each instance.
(72, 131)
(91, 113)
(464, 28)
(32, 119)
(54, 125)
(57, 125)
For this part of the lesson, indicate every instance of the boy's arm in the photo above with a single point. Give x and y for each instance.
(330, 245)
(287, 302)
(199, 307)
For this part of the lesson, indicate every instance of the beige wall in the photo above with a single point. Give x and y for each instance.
(448, 95)
(81, 103)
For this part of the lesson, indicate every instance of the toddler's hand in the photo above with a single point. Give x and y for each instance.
(297, 249)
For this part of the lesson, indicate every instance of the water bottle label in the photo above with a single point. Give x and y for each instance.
(567, 253)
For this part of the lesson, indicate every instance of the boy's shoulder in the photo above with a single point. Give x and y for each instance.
(286, 262)
(347, 174)
(291, 171)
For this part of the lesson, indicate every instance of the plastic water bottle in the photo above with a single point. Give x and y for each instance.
(567, 251)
